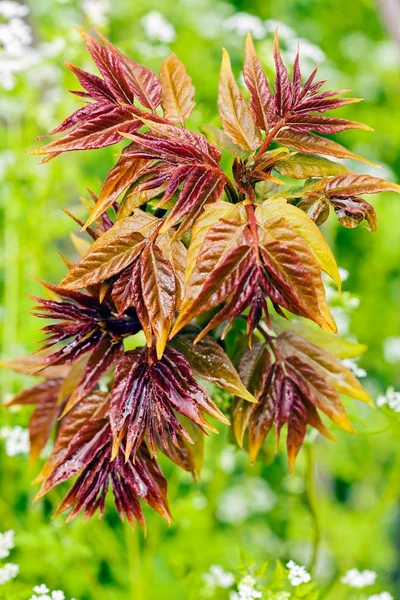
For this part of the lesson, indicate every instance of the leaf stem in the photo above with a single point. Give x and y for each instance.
(270, 137)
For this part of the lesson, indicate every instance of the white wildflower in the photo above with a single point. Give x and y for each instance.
(391, 399)
(344, 274)
(97, 11)
(41, 589)
(227, 459)
(239, 502)
(391, 349)
(6, 543)
(354, 368)
(42, 592)
(17, 440)
(157, 28)
(352, 301)
(199, 502)
(10, 9)
(359, 579)
(297, 574)
(241, 23)
(310, 54)
(381, 596)
(285, 32)
(217, 577)
(8, 572)
(15, 37)
(246, 590)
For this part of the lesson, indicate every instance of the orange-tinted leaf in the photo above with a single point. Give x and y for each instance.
(177, 96)
(110, 254)
(352, 184)
(313, 144)
(334, 372)
(119, 178)
(236, 117)
(253, 369)
(159, 293)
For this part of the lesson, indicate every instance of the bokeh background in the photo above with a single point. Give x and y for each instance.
(353, 520)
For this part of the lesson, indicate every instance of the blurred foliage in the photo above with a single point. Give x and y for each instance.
(235, 509)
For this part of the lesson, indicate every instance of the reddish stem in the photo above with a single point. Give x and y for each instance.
(270, 137)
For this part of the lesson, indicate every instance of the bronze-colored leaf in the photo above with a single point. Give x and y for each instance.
(209, 360)
(177, 96)
(236, 117)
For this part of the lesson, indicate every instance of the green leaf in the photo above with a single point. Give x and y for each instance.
(303, 166)
(210, 361)
(335, 345)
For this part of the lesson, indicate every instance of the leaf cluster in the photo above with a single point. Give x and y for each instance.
(181, 250)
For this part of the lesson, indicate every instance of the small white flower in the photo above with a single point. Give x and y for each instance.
(17, 440)
(157, 28)
(246, 589)
(57, 595)
(227, 459)
(297, 574)
(284, 31)
(391, 349)
(344, 274)
(381, 596)
(254, 496)
(217, 577)
(241, 23)
(41, 589)
(6, 543)
(10, 9)
(8, 572)
(97, 11)
(354, 368)
(359, 579)
(391, 399)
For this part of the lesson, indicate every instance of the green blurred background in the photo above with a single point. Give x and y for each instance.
(261, 510)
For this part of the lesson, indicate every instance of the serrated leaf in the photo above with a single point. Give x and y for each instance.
(352, 184)
(211, 214)
(101, 128)
(253, 369)
(313, 144)
(331, 343)
(159, 293)
(146, 394)
(110, 254)
(262, 100)
(294, 264)
(209, 360)
(177, 96)
(278, 207)
(335, 373)
(303, 166)
(118, 179)
(235, 114)
(70, 425)
(219, 138)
